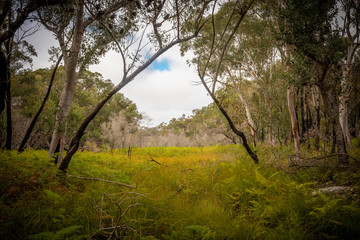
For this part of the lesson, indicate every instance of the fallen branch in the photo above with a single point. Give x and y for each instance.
(177, 192)
(314, 161)
(153, 160)
(331, 155)
(333, 189)
(187, 169)
(103, 180)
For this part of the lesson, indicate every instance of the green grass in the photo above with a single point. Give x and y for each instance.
(196, 193)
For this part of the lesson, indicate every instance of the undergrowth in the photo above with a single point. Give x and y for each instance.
(180, 193)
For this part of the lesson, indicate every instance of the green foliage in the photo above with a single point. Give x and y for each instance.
(190, 193)
(57, 235)
(29, 88)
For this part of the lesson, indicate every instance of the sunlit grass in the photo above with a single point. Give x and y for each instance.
(180, 193)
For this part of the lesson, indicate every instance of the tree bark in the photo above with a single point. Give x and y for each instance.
(8, 47)
(70, 63)
(294, 123)
(343, 104)
(231, 124)
(316, 104)
(8, 114)
(253, 127)
(332, 107)
(3, 81)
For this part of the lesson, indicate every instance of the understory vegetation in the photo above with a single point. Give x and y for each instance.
(275, 155)
(178, 193)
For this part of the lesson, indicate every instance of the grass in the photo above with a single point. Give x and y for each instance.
(188, 193)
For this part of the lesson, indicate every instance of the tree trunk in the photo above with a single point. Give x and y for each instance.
(8, 47)
(340, 140)
(332, 106)
(3, 81)
(316, 104)
(294, 123)
(70, 63)
(8, 114)
(33, 122)
(253, 127)
(303, 116)
(75, 141)
(239, 133)
(333, 144)
(343, 104)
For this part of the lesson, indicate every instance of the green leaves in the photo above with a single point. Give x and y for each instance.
(58, 235)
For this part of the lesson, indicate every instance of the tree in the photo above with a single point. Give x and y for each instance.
(81, 42)
(212, 55)
(350, 32)
(167, 20)
(35, 118)
(13, 15)
(314, 37)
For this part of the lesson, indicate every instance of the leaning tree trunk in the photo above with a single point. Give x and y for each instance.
(239, 133)
(33, 122)
(75, 141)
(294, 123)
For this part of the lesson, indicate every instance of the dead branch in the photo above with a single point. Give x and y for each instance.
(328, 156)
(103, 180)
(187, 169)
(153, 160)
(177, 192)
(313, 162)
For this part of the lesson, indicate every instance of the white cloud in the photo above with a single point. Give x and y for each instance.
(162, 95)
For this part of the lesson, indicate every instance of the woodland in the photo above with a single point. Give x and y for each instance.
(276, 155)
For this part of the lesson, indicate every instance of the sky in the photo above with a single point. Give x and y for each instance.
(167, 89)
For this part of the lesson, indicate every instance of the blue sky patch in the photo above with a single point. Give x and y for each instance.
(161, 65)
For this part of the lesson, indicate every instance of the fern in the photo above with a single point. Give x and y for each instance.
(57, 235)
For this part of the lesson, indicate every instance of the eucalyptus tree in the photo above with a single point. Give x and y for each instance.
(314, 37)
(81, 40)
(349, 26)
(12, 16)
(13, 46)
(213, 58)
(146, 30)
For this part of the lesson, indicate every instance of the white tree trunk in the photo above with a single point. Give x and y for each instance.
(343, 103)
(251, 122)
(67, 95)
(294, 124)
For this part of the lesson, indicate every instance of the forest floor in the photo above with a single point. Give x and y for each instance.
(179, 193)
